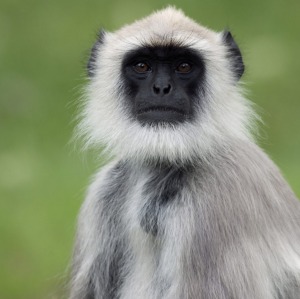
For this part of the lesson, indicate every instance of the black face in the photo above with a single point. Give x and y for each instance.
(162, 83)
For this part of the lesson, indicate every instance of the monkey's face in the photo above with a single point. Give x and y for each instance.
(162, 84)
(164, 88)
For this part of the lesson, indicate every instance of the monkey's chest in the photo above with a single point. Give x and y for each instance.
(160, 196)
(158, 233)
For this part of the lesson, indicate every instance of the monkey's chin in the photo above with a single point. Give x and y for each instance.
(161, 117)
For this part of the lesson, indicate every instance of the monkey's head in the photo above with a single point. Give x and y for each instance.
(164, 88)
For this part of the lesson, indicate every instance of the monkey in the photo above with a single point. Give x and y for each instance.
(188, 205)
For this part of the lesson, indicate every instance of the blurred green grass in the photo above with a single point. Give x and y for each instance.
(43, 49)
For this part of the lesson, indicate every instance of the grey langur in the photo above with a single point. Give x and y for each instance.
(189, 206)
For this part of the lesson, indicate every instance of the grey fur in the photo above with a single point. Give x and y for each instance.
(234, 224)
(223, 225)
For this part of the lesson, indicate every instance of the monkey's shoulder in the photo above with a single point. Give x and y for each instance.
(245, 160)
(245, 171)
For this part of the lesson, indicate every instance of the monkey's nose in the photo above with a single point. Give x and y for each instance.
(162, 89)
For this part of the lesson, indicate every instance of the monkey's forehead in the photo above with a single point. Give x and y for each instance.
(165, 27)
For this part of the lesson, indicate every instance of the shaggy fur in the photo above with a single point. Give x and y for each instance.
(190, 211)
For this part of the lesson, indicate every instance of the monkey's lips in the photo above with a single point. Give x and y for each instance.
(161, 114)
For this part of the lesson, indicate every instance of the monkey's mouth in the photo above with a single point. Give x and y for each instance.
(162, 109)
(157, 114)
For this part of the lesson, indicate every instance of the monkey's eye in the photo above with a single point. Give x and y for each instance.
(184, 68)
(141, 67)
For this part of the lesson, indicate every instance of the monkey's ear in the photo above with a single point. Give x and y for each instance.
(91, 65)
(234, 54)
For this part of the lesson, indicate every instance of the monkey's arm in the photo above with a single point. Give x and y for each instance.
(98, 248)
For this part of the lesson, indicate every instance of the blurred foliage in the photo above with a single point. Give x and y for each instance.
(43, 50)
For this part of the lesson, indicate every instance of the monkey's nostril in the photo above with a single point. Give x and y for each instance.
(156, 89)
(167, 89)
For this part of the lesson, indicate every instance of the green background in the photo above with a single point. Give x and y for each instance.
(44, 46)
